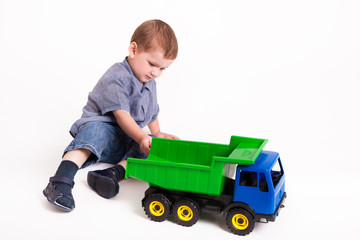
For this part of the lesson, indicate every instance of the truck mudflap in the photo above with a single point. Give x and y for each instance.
(271, 218)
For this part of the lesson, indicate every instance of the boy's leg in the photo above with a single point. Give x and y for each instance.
(123, 164)
(105, 182)
(77, 156)
(86, 148)
(58, 191)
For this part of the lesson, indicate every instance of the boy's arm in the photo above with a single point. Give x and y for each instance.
(155, 130)
(130, 127)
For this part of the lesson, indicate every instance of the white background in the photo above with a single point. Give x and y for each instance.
(285, 70)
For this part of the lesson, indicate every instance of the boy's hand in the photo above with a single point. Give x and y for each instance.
(166, 135)
(145, 144)
(155, 130)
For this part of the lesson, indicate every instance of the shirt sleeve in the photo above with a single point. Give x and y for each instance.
(111, 94)
(156, 114)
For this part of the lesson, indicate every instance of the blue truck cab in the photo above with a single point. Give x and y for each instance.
(261, 186)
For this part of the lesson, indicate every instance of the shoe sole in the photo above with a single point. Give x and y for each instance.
(104, 186)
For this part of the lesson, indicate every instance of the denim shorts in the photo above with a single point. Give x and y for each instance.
(107, 142)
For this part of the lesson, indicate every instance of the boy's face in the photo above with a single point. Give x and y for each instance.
(147, 65)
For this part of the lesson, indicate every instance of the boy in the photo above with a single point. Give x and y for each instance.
(120, 105)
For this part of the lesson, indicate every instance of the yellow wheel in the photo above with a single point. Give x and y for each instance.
(186, 212)
(240, 221)
(157, 207)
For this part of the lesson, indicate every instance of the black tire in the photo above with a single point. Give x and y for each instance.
(157, 207)
(240, 221)
(185, 212)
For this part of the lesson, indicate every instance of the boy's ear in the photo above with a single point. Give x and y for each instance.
(132, 49)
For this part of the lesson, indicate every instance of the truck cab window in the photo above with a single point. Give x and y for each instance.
(263, 186)
(248, 179)
(276, 173)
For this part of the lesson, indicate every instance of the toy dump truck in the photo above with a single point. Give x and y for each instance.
(186, 178)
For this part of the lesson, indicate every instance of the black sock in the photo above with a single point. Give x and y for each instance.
(117, 172)
(66, 169)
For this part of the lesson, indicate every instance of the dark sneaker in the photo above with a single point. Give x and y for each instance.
(105, 186)
(61, 199)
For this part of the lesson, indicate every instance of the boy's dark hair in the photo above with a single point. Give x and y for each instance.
(154, 34)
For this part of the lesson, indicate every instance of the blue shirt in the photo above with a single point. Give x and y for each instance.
(118, 89)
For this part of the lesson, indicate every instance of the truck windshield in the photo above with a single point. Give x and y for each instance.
(276, 172)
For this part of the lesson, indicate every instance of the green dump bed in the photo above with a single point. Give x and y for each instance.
(196, 167)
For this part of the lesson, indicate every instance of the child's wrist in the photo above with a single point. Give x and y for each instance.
(158, 134)
(141, 138)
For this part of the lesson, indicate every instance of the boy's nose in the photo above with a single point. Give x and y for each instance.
(154, 73)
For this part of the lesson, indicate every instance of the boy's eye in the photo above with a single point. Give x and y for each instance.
(153, 65)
